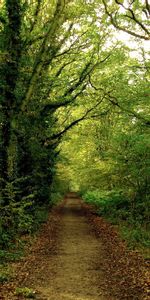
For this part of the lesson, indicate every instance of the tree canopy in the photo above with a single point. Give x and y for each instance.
(74, 99)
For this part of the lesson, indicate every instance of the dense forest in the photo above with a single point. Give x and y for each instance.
(74, 92)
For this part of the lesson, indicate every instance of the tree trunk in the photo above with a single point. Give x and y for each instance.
(11, 69)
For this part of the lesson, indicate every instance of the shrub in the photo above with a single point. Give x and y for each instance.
(55, 197)
(10, 255)
(108, 202)
(26, 292)
(15, 220)
(4, 275)
(135, 236)
(118, 210)
(40, 215)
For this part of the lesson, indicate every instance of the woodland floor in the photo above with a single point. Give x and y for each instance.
(78, 256)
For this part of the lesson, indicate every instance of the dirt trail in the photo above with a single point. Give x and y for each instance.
(74, 268)
(78, 256)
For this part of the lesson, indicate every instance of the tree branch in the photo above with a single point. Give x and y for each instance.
(117, 26)
(147, 6)
(84, 73)
(54, 106)
(114, 102)
(44, 50)
(71, 46)
(51, 84)
(134, 18)
(37, 10)
(72, 124)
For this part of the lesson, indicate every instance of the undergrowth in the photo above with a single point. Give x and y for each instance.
(5, 273)
(131, 218)
(23, 217)
(25, 292)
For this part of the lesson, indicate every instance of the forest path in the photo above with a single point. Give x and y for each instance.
(78, 255)
(74, 267)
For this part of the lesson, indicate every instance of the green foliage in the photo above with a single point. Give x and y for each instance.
(5, 274)
(12, 255)
(16, 219)
(56, 197)
(136, 24)
(59, 68)
(59, 187)
(117, 206)
(108, 203)
(136, 236)
(3, 277)
(26, 292)
(114, 206)
(40, 216)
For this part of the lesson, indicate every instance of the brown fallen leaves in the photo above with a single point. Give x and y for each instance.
(127, 275)
(35, 259)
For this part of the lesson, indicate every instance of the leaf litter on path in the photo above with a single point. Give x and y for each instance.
(78, 256)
